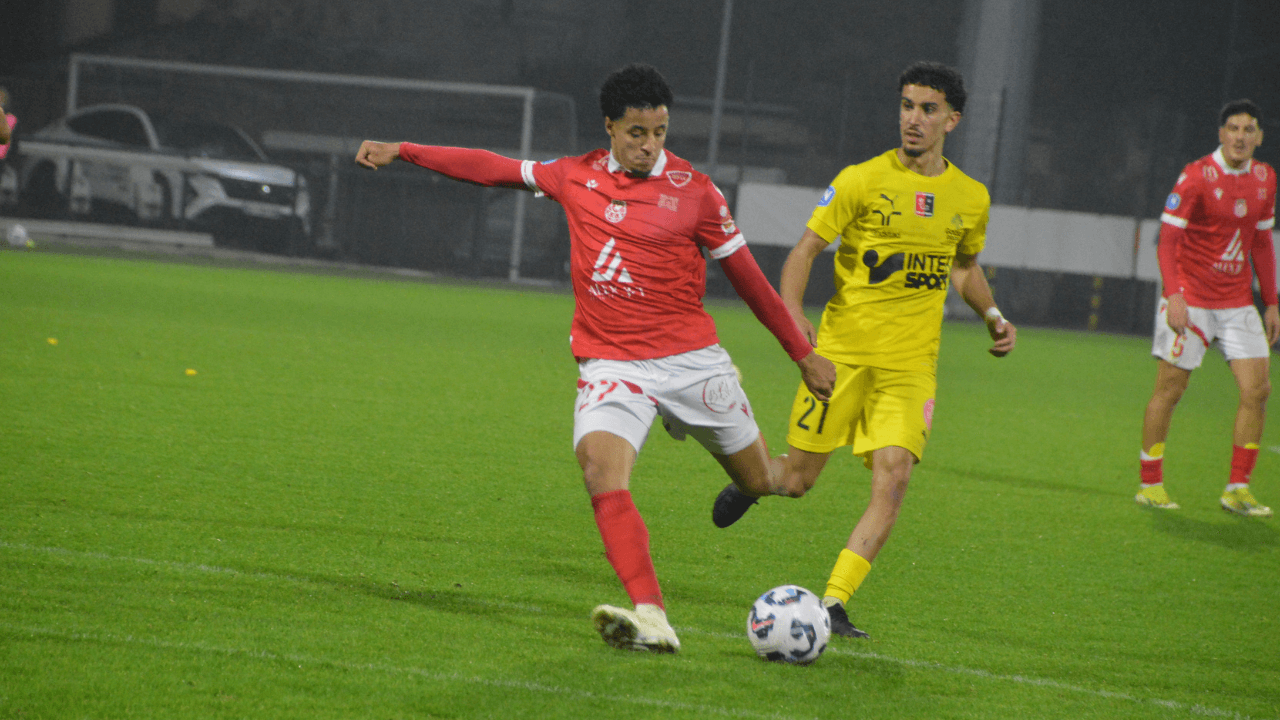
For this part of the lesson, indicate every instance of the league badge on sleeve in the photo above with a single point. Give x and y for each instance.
(1173, 202)
(827, 196)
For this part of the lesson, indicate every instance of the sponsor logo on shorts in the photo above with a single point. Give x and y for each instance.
(719, 395)
(928, 414)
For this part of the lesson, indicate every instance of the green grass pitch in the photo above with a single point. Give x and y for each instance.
(363, 504)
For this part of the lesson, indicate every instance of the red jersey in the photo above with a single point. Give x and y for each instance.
(637, 270)
(1216, 220)
(636, 249)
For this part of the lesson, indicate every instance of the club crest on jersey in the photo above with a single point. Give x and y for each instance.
(924, 204)
(1173, 202)
(1260, 171)
(679, 178)
(615, 211)
(1242, 208)
(1210, 173)
(827, 196)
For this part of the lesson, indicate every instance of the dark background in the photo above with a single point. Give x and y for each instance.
(1123, 95)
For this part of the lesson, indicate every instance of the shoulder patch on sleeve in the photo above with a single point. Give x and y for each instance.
(827, 196)
(1173, 202)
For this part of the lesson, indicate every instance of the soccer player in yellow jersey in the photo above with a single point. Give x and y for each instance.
(910, 224)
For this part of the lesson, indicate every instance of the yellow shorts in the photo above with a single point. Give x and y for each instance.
(870, 408)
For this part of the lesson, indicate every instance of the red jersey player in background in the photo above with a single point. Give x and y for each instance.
(1215, 228)
(7, 122)
(639, 219)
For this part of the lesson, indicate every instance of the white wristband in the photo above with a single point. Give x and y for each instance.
(993, 314)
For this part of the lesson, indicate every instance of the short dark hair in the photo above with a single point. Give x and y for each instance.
(946, 80)
(1235, 107)
(635, 86)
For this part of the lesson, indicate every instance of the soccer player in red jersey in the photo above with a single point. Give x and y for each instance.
(639, 219)
(1216, 224)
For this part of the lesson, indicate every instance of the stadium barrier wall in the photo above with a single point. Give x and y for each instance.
(1046, 267)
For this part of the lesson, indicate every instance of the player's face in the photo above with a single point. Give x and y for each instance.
(1240, 136)
(637, 137)
(924, 119)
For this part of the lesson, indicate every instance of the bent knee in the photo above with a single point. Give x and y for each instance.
(1257, 394)
(796, 483)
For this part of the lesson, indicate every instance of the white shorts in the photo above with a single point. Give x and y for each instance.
(696, 393)
(1238, 331)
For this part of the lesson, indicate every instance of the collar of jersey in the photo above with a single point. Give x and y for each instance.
(658, 167)
(1219, 158)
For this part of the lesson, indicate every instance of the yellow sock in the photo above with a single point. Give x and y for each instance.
(850, 570)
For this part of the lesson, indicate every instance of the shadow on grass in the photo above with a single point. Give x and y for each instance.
(1026, 483)
(1237, 533)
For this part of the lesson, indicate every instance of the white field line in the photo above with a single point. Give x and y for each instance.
(1194, 709)
(301, 660)
(1019, 679)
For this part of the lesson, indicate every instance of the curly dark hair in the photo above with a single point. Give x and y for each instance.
(635, 86)
(946, 80)
(1235, 107)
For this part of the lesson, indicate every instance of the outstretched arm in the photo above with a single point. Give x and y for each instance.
(740, 267)
(968, 280)
(480, 167)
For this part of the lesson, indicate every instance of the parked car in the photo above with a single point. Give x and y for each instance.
(119, 162)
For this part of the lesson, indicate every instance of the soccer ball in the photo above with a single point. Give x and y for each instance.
(17, 236)
(789, 624)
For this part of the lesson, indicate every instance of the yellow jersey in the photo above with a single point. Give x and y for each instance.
(900, 232)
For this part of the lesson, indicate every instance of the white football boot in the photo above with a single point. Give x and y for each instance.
(645, 628)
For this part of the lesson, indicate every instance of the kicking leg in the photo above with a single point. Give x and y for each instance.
(606, 461)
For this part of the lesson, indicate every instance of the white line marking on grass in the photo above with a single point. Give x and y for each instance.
(1019, 679)
(527, 685)
(214, 569)
(924, 664)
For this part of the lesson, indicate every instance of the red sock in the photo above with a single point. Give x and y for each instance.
(1152, 471)
(626, 544)
(1242, 461)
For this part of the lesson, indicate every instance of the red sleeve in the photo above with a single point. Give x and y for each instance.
(1167, 251)
(468, 165)
(1264, 265)
(716, 230)
(747, 279)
